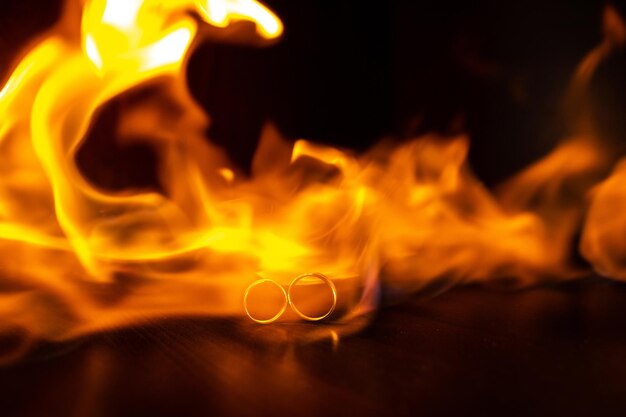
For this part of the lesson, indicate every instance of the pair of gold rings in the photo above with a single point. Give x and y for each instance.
(289, 298)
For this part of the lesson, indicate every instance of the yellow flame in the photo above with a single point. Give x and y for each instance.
(92, 51)
(122, 14)
(80, 258)
(221, 13)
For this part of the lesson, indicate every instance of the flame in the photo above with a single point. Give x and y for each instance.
(603, 237)
(80, 259)
(602, 241)
(222, 13)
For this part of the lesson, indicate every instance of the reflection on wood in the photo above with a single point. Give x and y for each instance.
(544, 351)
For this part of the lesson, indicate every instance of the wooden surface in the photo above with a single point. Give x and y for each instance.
(470, 352)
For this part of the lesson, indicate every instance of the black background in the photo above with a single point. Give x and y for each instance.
(348, 73)
(351, 72)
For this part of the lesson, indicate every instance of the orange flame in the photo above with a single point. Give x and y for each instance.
(80, 259)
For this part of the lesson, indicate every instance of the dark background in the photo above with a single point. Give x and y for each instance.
(348, 73)
(351, 72)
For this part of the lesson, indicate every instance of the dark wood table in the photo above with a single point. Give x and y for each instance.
(547, 351)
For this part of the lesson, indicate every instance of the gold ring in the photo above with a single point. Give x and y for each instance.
(322, 278)
(282, 309)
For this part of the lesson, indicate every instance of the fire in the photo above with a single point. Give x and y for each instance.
(78, 259)
(603, 238)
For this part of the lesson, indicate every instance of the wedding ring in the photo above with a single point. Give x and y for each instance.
(282, 309)
(322, 278)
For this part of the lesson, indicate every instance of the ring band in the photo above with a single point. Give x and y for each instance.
(322, 278)
(282, 309)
